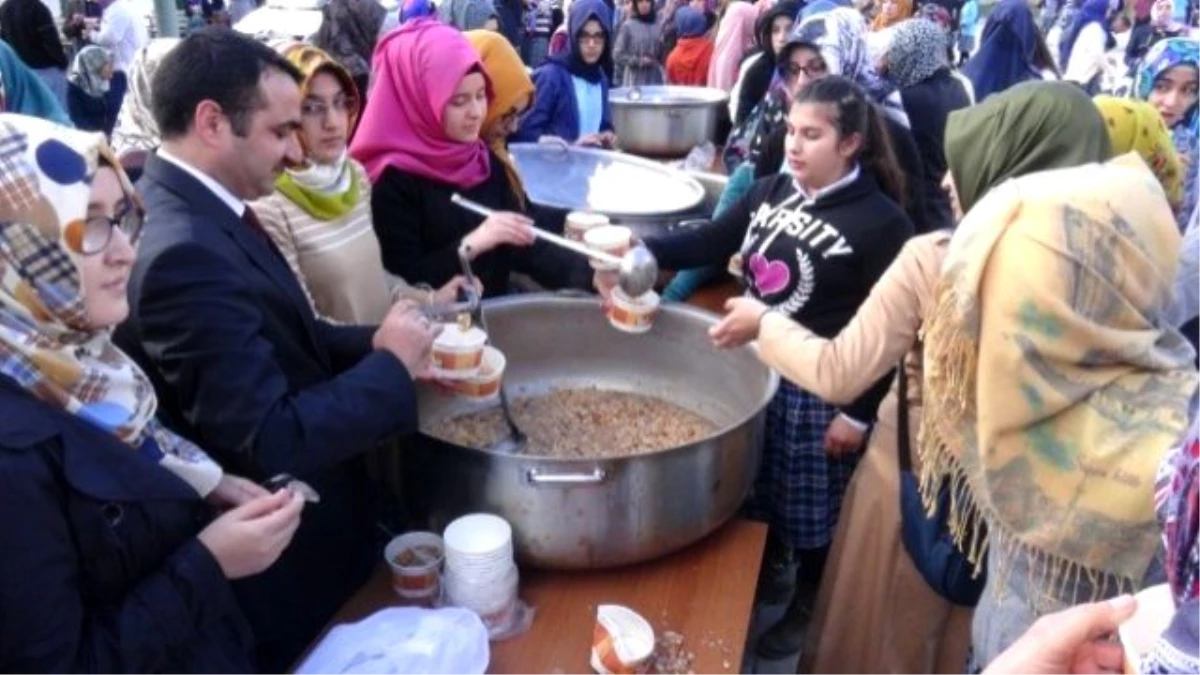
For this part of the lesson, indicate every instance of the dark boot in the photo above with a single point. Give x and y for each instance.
(776, 579)
(786, 637)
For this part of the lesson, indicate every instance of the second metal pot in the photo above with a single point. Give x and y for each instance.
(666, 122)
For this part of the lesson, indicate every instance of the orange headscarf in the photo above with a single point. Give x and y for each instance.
(906, 12)
(512, 86)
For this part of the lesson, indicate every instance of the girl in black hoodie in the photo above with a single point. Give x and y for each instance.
(810, 242)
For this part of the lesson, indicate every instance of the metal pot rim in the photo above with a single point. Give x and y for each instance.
(694, 185)
(669, 97)
(539, 298)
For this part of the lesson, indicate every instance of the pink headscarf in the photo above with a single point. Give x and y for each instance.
(734, 37)
(417, 69)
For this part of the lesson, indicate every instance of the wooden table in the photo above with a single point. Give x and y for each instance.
(713, 295)
(704, 592)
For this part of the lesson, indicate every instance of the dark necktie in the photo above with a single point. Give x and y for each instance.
(251, 220)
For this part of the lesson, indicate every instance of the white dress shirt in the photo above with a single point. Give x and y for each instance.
(228, 198)
(124, 32)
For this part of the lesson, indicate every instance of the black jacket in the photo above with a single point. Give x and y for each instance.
(101, 570)
(242, 366)
(28, 27)
(907, 154)
(814, 262)
(929, 103)
(420, 231)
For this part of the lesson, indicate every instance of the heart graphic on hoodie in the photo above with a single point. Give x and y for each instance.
(770, 276)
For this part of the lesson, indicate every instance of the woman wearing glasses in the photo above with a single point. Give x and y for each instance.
(113, 561)
(572, 101)
(835, 43)
(422, 140)
(320, 213)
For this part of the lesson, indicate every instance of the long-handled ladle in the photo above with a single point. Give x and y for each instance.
(637, 270)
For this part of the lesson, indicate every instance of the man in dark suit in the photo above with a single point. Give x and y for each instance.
(225, 332)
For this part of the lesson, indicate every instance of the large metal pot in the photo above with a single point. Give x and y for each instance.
(666, 121)
(585, 513)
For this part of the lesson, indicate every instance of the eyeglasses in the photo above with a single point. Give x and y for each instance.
(793, 70)
(98, 230)
(594, 38)
(319, 109)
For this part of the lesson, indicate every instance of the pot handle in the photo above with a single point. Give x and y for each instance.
(575, 293)
(539, 477)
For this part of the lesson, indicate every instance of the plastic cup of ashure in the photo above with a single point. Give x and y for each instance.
(622, 641)
(457, 354)
(415, 559)
(614, 240)
(633, 315)
(1155, 607)
(485, 384)
(580, 222)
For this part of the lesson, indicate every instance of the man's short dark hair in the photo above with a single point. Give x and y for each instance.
(213, 64)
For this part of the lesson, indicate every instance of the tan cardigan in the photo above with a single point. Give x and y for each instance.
(338, 262)
(882, 332)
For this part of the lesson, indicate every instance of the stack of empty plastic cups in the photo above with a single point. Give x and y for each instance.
(480, 573)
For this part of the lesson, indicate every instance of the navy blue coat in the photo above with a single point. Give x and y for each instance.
(100, 568)
(90, 113)
(242, 366)
(555, 111)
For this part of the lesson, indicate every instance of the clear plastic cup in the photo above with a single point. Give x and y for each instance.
(457, 354)
(633, 315)
(612, 239)
(415, 559)
(485, 385)
(622, 642)
(579, 222)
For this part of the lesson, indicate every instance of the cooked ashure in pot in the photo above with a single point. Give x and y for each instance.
(582, 423)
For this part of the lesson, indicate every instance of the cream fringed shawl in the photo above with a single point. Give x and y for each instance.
(1053, 386)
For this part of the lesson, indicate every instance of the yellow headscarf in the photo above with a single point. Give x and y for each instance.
(1136, 126)
(311, 194)
(311, 61)
(511, 85)
(1052, 386)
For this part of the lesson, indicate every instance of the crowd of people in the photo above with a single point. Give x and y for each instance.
(970, 252)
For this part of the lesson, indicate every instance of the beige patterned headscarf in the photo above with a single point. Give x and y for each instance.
(136, 129)
(1053, 385)
(46, 344)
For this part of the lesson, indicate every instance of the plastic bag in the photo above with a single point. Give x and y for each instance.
(700, 158)
(404, 640)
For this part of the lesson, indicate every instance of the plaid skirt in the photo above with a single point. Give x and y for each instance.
(799, 488)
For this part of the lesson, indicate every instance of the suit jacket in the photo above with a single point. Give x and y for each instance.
(242, 366)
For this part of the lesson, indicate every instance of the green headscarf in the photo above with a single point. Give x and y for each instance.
(1034, 126)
